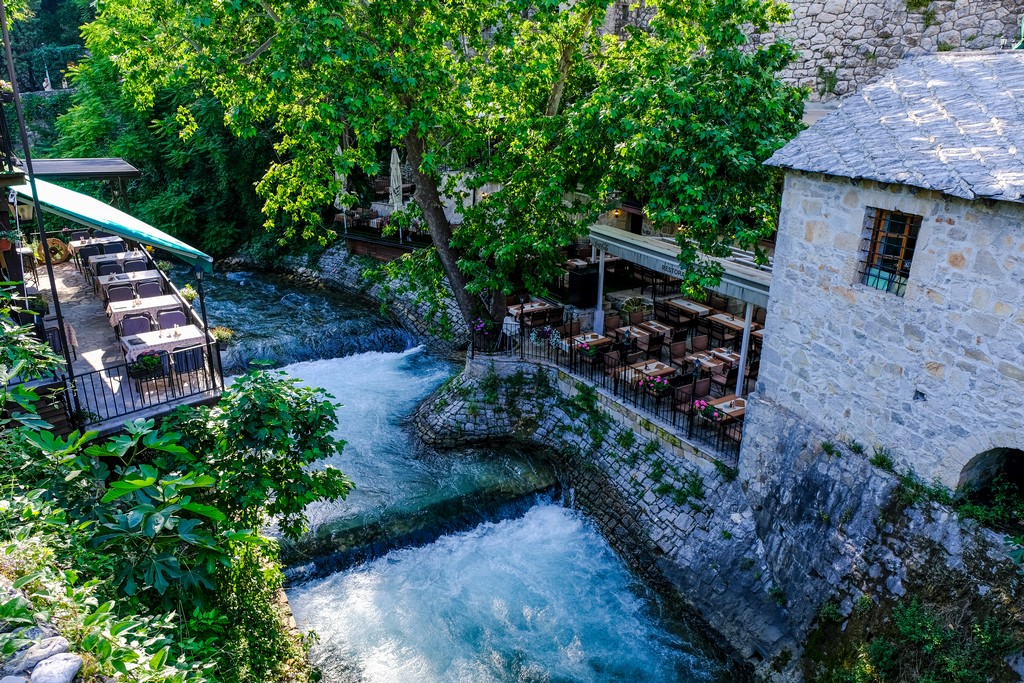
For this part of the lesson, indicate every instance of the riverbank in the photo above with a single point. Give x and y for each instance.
(796, 559)
(791, 548)
(336, 268)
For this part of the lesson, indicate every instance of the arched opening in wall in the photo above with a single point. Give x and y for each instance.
(992, 486)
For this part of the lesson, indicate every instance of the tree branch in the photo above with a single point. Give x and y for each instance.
(564, 64)
(258, 51)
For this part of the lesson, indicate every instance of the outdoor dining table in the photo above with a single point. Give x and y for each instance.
(707, 361)
(690, 308)
(647, 368)
(576, 263)
(727, 355)
(731, 321)
(117, 310)
(104, 282)
(654, 327)
(75, 245)
(757, 334)
(634, 332)
(136, 255)
(530, 307)
(731, 406)
(591, 339)
(160, 340)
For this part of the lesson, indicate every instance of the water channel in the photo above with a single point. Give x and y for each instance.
(443, 567)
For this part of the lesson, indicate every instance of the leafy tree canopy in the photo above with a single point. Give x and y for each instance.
(526, 95)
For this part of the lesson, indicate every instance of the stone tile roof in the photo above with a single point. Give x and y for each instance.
(953, 123)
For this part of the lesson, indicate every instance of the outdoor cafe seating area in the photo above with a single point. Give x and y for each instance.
(149, 348)
(677, 358)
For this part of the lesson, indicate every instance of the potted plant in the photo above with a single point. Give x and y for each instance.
(655, 386)
(708, 411)
(7, 239)
(188, 293)
(147, 365)
(222, 334)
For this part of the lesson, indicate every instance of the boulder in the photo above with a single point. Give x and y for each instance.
(60, 668)
(44, 649)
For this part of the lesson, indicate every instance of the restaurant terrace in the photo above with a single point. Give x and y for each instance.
(133, 345)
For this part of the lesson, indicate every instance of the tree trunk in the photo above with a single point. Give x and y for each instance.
(428, 196)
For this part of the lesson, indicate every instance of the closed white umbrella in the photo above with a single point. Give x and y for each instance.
(342, 192)
(396, 185)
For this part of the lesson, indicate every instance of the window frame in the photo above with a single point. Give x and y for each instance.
(888, 253)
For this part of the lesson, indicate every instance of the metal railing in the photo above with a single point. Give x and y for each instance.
(673, 406)
(126, 388)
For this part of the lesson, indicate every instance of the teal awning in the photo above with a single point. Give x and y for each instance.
(86, 210)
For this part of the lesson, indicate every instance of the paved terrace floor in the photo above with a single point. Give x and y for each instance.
(106, 394)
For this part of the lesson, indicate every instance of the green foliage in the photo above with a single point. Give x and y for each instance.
(625, 439)
(827, 81)
(23, 357)
(917, 5)
(728, 473)
(829, 448)
(923, 644)
(490, 384)
(525, 97)
(1000, 506)
(261, 442)
(855, 446)
(777, 595)
(198, 180)
(829, 612)
(83, 523)
(882, 459)
(726, 534)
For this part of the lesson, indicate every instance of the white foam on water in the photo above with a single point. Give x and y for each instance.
(540, 598)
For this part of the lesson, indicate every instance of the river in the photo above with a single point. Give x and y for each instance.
(442, 567)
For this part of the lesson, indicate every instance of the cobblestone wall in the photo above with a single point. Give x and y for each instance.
(754, 555)
(844, 44)
(936, 375)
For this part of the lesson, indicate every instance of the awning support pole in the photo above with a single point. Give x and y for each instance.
(599, 313)
(39, 213)
(214, 364)
(744, 348)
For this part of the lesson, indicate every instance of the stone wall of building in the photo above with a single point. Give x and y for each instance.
(935, 376)
(844, 44)
(754, 553)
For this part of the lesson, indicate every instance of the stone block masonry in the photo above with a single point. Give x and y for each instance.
(754, 553)
(936, 375)
(844, 44)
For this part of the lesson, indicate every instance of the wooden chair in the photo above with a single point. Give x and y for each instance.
(699, 343)
(611, 322)
(612, 362)
(651, 345)
(702, 388)
(759, 315)
(718, 302)
(725, 381)
(636, 317)
(661, 313)
(677, 354)
(635, 357)
(751, 373)
(722, 335)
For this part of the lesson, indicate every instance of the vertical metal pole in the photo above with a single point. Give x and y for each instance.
(744, 348)
(206, 332)
(599, 313)
(38, 210)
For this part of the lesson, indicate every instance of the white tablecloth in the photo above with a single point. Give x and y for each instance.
(161, 340)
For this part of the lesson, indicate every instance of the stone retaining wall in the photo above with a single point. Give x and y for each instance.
(336, 268)
(755, 555)
(845, 44)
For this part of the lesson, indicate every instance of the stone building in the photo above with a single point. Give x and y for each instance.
(896, 314)
(845, 44)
